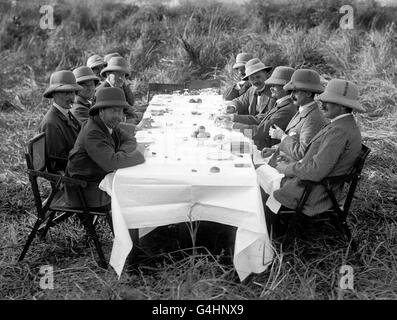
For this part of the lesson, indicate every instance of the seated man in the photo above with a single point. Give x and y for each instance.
(241, 87)
(305, 124)
(115, 74)
(96, 63)
(331, 152)
(86, 78)
(60, 126)
(101, 147)
(257, 98)
(258, 126)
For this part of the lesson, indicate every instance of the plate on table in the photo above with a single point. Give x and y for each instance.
(219, 155)
(154, 125)
(145, 140)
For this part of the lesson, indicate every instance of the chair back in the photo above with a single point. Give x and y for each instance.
(36, 161)
(355, 176)
(35, 155)
(358, 166)
(203, 84)
(163, 88)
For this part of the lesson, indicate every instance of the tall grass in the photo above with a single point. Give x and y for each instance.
(201, 40)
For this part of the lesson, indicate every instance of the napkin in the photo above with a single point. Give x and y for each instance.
(270, 179)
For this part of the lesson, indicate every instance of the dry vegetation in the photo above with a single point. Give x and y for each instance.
(175, 44)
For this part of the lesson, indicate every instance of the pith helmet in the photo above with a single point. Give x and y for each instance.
(253, 66)
(341, 92)
(111, 55)
(306, 80)
(84, 73)
(95, 61)
(108, 97)
(280, 76)
(61, 81)
(116, 64)
(242, 59)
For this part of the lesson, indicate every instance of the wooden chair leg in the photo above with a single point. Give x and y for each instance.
(108, 218)
(91, 231)
(348, 234)
(62, 217)
(30, 239)
(290, 234)
(48, 225)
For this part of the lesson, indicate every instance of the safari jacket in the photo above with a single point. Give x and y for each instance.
(301, 129)
(95, 154)
(279, 115)
(331, 152)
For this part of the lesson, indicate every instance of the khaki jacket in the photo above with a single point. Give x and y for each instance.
(279, 115)
(332, 152)
(301, 129)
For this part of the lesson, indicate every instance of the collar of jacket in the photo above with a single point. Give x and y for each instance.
(283, 103)
(308, 108)
(100, 124)
(62, 117)
(59, 114)
(346, 122)
(300, 115)
(276, 108)
(259, 93)
(82, 101)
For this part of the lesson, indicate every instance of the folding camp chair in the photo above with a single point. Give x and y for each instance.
(203, 84)
(53, 204)
(163, 88)
(336, 213)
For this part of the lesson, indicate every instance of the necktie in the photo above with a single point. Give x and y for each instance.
(75, 123)
(115, 139)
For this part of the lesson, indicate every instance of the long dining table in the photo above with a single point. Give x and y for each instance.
(188, 177)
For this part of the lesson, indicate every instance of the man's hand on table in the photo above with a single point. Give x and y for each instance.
(225, 117)
(230, 109)
(144, 124)
(141, 148)
(267, 152)
(276, 132)
(282, 166)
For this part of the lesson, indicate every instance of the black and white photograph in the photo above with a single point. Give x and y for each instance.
(199, 157)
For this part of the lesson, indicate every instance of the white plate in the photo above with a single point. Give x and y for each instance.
(145, 140)
(154, 125)
(219, 155)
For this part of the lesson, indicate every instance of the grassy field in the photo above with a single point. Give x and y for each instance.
(186, 42)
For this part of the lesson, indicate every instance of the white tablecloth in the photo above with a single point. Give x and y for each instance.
(176, 184)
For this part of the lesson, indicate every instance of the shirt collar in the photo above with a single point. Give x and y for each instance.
(62, 110)
(282, 99)
(109, 83)
(260, 91)
(341, 116)
(81, 100)
(304, 107)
